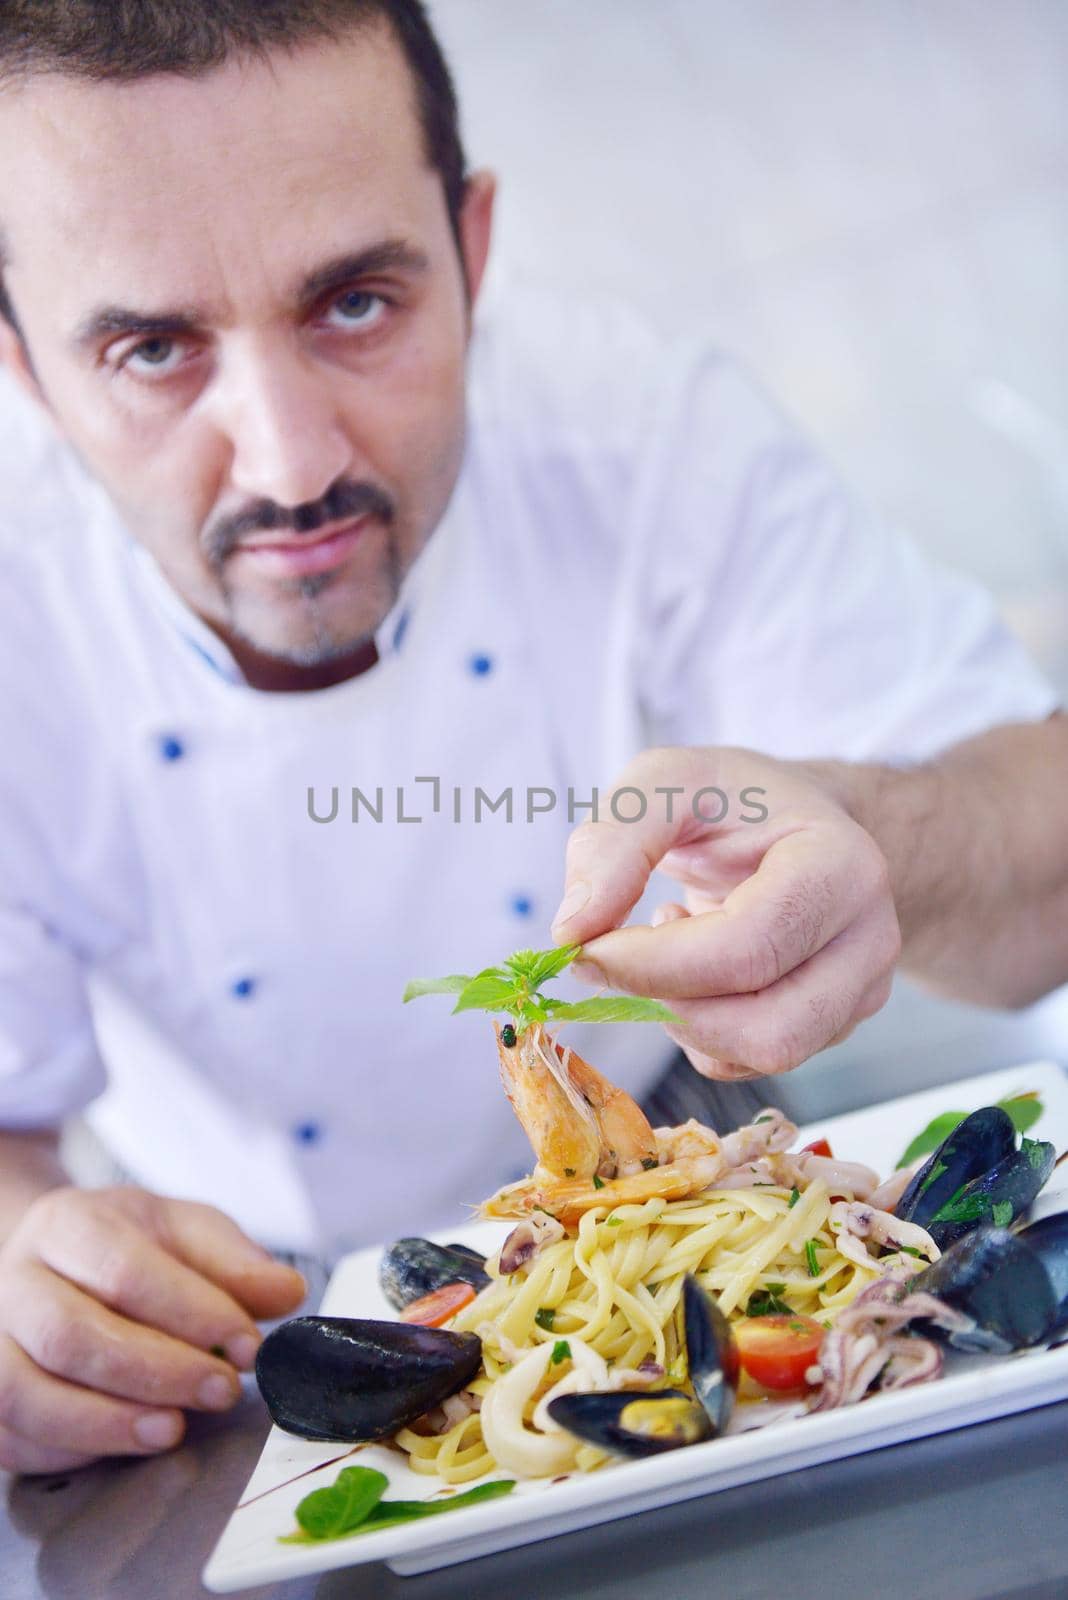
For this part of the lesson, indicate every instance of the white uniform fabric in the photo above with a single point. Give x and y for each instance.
(640, 550)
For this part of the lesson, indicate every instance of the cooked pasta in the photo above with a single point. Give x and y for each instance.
(606, 1296)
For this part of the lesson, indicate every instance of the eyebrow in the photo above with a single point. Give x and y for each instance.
(390, 255)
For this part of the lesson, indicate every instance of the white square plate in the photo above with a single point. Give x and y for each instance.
(972, 1390)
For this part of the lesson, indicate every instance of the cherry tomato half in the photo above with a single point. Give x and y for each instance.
(434, 1309)
(777, 1351)
(818, 1147)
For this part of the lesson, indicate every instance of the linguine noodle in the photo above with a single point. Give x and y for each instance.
(606, 1297)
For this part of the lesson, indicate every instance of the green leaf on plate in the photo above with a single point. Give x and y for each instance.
(350, 1499)
(938, 1129)
(354, 1504)
(1024, 1111)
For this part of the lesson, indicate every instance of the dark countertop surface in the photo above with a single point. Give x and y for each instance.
(975, 1514)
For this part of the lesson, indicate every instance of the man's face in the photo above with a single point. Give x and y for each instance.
(245, 308)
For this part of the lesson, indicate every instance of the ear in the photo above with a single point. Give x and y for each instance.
(476, 227)
(15, 358)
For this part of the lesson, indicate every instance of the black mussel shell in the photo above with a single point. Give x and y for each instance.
(349, 1379)
(469, 1255)
(412, 1268)
(1048, 1238)
(632, 1423)
(998, 1280)
(975, 1145)
(711, 1353)
(1015, 1181)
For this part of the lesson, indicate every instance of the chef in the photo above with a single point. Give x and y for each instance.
(336, 598)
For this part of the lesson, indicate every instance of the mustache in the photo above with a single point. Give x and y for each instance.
(343, 502)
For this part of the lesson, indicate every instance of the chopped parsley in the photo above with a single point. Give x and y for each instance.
(649, 1162)
(544, 1317)
(795, 1195)
(569, 1172)
(598, 1183)
(768, 1302)
(935, 1172)
(910, 1250)
(561, 1352)
(810, 1257)
(613, 1222)
(1034, 1150)
(963, 1208)
(1002, 1213)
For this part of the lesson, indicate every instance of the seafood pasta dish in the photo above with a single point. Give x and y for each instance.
(652, 1279)
(586, 1293)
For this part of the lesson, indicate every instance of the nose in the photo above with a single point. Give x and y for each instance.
(284, 427)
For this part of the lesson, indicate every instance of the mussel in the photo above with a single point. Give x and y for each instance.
(1014, 1286)
(350, 1379)
(633, 1424)
(711, 1353)
(412, 1268)
(976, 1177)
(975, 1146)
(637, 1424)
(1004, 1193)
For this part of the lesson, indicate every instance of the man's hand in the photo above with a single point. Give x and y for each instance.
(788, 937)
(114, 1306)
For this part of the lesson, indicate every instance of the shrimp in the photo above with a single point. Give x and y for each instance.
(579, 1124)
(568, 1198)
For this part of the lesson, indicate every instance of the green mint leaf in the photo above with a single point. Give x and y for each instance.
(545, 1316)
(421, 986)
(538, 966)
(1024, 1109)
(931, 1137)
(613, 1008)
(487, 992)
(561, 1352)
(1002, 1213)
(390, 1513)
(329, 1513)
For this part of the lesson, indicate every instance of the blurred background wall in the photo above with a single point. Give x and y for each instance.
(868, 201)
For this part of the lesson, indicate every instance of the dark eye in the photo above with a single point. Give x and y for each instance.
(356, 309)
(153, 355)
(508, 1036)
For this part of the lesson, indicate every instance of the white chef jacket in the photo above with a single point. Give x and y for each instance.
(639, 550)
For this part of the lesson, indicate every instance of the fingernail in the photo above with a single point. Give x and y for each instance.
(573, 901)
(241, 1350)
(157, 1430)
(216, 1393)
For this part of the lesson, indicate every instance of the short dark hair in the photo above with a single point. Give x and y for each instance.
(122, 40)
